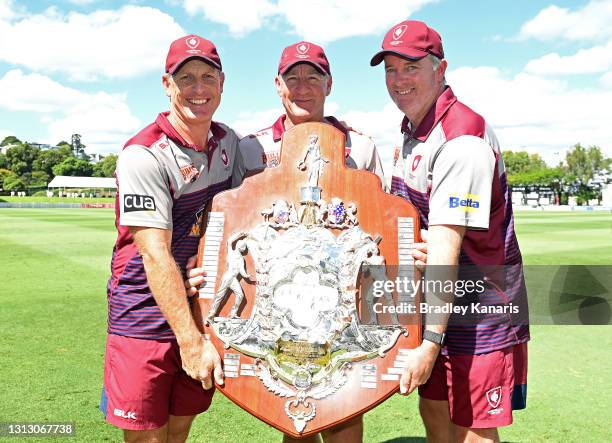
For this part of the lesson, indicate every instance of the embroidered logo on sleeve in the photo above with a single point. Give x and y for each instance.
(135, 202)
(189, 173)
(466, 202)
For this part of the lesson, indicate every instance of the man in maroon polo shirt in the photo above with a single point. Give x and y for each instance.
(159, 369)
(471, 375)
(303, 82)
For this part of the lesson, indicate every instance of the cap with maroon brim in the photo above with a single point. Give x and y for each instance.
(410, 39)
(191, 47)
(303, 52)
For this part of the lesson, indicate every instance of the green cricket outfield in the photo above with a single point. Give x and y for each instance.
(55, 263)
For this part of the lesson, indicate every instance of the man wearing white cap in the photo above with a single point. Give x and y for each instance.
(471, 372)
(159, 369)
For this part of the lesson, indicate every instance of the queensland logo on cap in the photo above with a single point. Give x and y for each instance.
(397, 34)
(302, 50)
(192, 42)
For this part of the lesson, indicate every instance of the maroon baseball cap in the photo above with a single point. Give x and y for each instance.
(188, 47)
(410, 39)
(303, 52)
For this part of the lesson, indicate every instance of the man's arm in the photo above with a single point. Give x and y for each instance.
(444, 246)
(199, 357)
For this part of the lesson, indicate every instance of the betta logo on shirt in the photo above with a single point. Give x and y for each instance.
(467, 202)
(135, 202)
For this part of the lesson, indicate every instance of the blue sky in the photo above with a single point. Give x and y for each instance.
(540, 72)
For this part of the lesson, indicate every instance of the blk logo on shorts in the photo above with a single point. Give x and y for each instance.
(123, 414)
(135, 202)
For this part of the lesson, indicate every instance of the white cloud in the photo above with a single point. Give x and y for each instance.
(35, 92)
(5, 133)
(382, 125)
(586, 61)
(114, 44)
(321, 21)
(240, 16)
(248, 122)
(82, 2)
(7, 10)
(104, 120)
(105, 127)
(530, 112)
(606, 80)
(324, 21)
(591, 22)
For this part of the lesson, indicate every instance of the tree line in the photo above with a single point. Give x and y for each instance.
(571, 177)
(25, 166)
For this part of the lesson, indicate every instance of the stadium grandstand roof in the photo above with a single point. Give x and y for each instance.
(64, 181)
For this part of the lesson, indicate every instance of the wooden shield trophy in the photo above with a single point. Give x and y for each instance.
(284, 300)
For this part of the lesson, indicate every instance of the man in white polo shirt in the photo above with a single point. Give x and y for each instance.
(303, 82)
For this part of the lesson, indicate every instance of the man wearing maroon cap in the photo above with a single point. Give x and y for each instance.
(159, 369)
(471, 375)
(303, 82)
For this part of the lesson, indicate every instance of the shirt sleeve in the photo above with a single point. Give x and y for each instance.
(252, 153)
(462, 178)
(144, 190)
(239, 170)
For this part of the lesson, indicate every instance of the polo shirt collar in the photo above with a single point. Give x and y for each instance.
(433, 117)
(278, 127)
(215, 134)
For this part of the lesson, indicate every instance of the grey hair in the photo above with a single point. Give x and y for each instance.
(435, 61)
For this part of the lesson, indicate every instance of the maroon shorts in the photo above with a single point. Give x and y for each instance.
(481, 390)
(144, 384)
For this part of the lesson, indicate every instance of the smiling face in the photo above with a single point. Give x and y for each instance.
(194, 91)
(413, 86)
(302, 90)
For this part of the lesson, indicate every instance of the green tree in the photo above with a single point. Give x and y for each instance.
(540, 177)
(4, 173)
(10, 140)
(21, 157)
(3, 161)
(13, 183)
(582, 163)
(106, 166)
(37, 179)
(47, 159)
(74, 167)
(521, 161)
